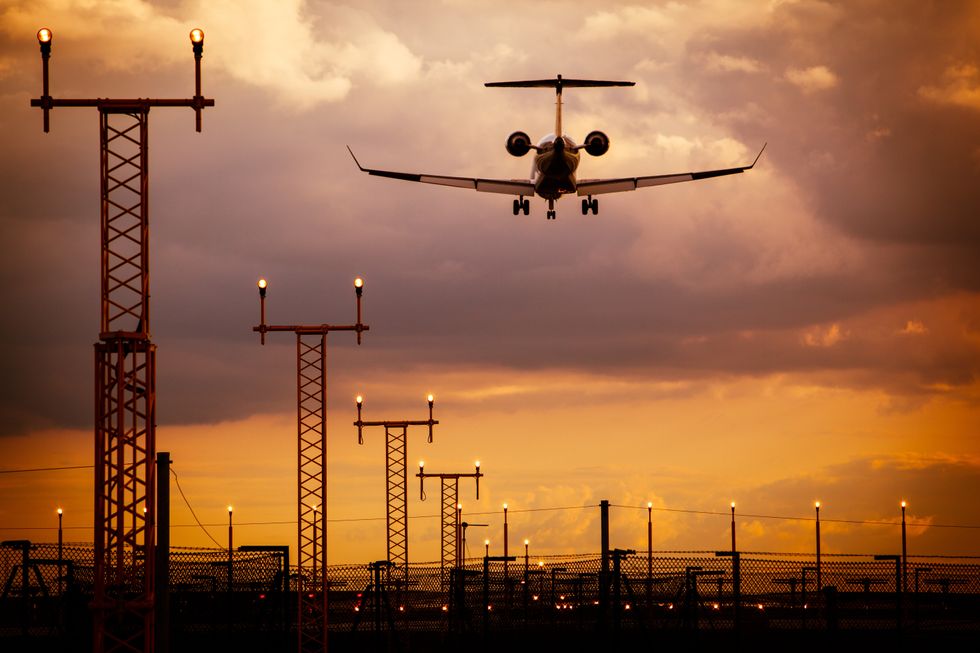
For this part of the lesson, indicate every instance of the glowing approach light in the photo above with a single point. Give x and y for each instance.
(263, 284)
(60, 511)
(44, 35)
(197, 35)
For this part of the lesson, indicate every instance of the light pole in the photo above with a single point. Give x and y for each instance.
(230, 541)
(527, 543)
(527, 579)
(486, 543)
(311, 414)
(125, 363)
(505, 547)
(60, 550)
(905, 559)
(733, 528)
(817, 506)
(649, 554)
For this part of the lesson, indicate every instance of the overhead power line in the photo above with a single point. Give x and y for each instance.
(193, 514)
(688, 511)
(44, 469)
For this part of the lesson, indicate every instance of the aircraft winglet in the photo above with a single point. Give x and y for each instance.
(756, 156)
(358, 163)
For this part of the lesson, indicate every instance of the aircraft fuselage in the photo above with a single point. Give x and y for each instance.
(555, 163)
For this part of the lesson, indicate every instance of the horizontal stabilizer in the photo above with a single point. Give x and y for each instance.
(558, 83)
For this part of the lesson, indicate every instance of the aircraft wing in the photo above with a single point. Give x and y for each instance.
(505, 186)
(599, 186)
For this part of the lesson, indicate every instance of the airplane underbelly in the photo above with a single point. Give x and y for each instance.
(555, 175)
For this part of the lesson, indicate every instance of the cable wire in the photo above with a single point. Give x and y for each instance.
(44, 469)
(188, 504)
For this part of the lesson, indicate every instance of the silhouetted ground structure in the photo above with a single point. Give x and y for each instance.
(687, 599)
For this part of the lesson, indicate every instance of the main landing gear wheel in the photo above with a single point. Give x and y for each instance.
(590, 205)
(522, 205)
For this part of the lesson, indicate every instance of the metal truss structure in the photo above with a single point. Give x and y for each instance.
(396, 485)
(125, 366)
(311, 413)
(451, 549)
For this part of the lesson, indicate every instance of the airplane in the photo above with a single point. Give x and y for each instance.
(556, 159)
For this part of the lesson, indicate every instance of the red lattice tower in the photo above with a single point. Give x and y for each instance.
(311, 410)
(396, 485)
(451, 550)
(125, 365)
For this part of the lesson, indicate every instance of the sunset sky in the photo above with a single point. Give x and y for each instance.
(809, 330)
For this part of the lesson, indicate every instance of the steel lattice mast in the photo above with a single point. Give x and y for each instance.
(396, 484)
(125, 364)
(450, 508)
(311, 408)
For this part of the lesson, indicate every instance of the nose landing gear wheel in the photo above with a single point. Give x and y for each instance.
(551, 215)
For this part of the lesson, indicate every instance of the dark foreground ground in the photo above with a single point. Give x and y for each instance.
(551, 641)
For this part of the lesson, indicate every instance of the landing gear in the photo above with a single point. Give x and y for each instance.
(551, 210)
(522, 205)
(590, 205)
(551, 215)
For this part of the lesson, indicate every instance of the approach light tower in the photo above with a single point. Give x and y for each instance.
(311, 388)
(396, 475)
(451, 508)
(125, 364)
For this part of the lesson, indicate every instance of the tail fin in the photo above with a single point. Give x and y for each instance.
(558, 83)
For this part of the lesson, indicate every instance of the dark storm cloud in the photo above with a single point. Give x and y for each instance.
(880, 159)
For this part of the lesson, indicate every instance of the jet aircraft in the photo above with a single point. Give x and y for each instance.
(556, 160)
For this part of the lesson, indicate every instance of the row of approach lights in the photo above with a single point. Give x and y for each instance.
(44, 36)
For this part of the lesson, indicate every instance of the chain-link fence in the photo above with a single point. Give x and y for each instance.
(46, 591)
